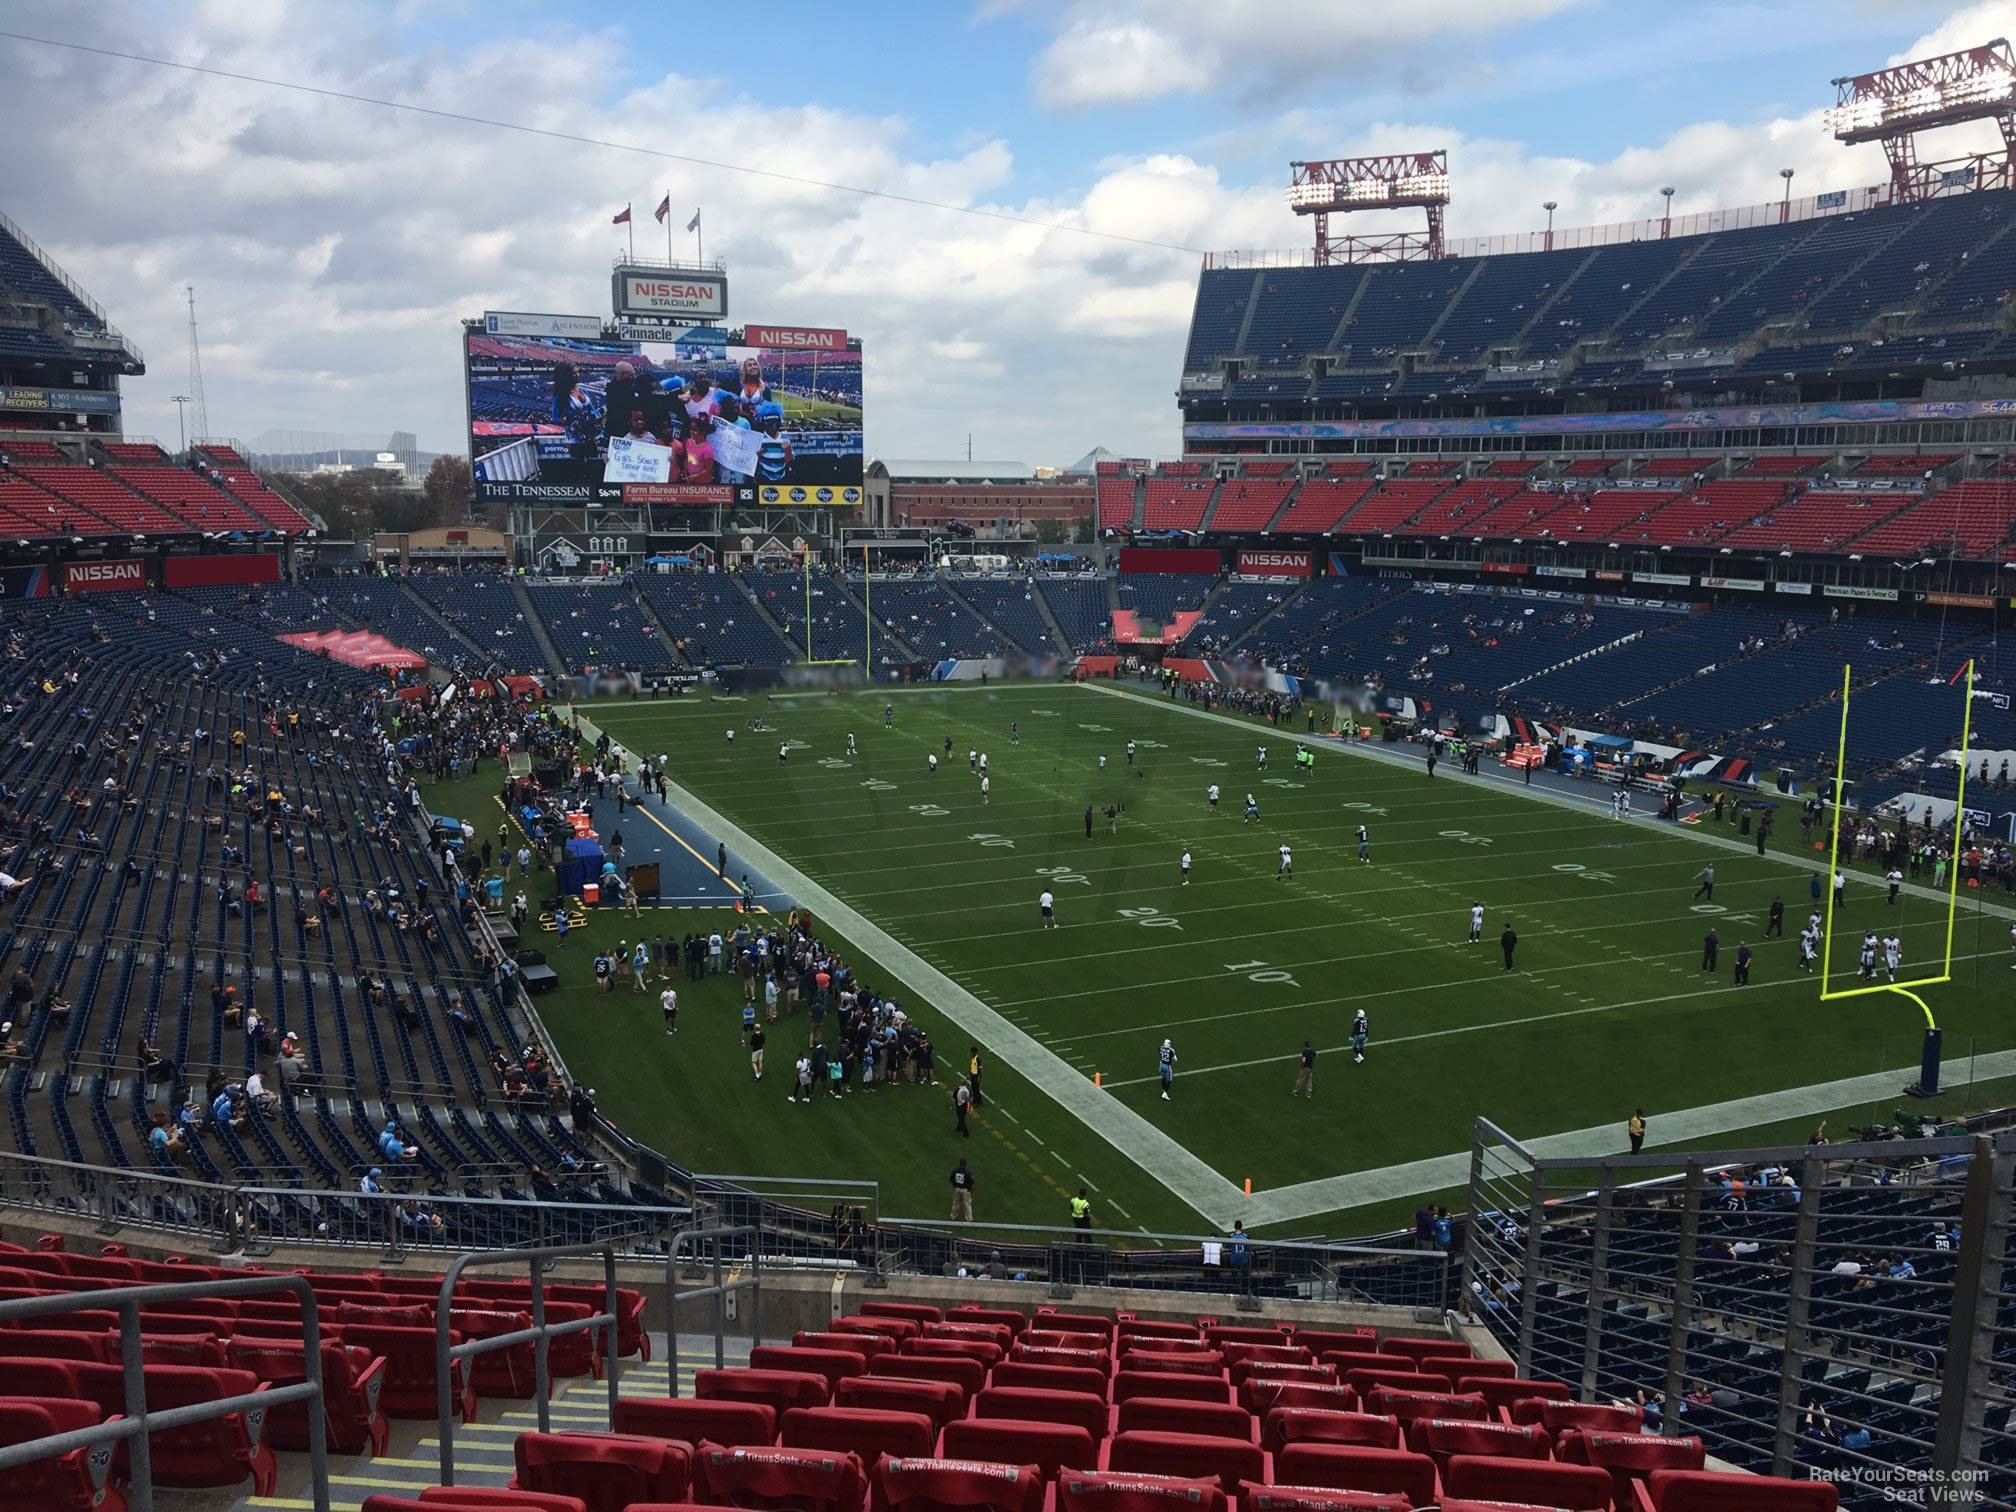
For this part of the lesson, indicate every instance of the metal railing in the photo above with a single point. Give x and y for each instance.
(134, 1427)
(706, 1244)
(1835, 1310)
(447, 1354)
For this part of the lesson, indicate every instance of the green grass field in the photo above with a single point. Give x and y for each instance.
(1609, 1007)
(799, 407)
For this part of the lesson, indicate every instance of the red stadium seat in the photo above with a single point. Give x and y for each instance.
(182, 1349)
(888, 1328)
(1573, 1488)
(81, 1479)
(1186, 1361)
(1505, 1394)
(1221, 1334)
(865, 1431)
(1349, 1467)
(1236, 1350)
(1345, 1360)
(1629, 1457)
(221, 1452)
(867, 1345)
(608, 1471)
(917, 1312)
(986, 1351)
(1050, 1377)
(1022, 1404)
(1705, 1491)
(1170, 1383)
(506, 1372)
(1002, 1317)
(1114, 1491)
(1473, 1370)
(55, 1344)
(1138, 1328)
(1051, 1447)
(1408, 1405)
(1173, 1415)
(1424, 1349)
(1038, 1337)
(778, 1389)
(806, 1480)
(968, 1375)
(729, 1424)
(1078, 1323)
(409, 1389)
(998, 1334)
(1254, 1498)
(833, 1364)
(1293, 1425)
(472, 1499)
(1440, 1438)
(1194, 1456)
(351, 1381)
(1261, 1395)
(941, 1401)
(1590, 1416)
(1281, 1370)
(938, 1485)
(1364, 1382)
(1077, 1359)
(1316, 1340)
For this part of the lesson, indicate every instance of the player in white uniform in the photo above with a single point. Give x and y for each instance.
(1287, 865)
(1130, 753)
(669, 1001)
(1809, 947)
(1184, 866)
(1102, 761)
(783, 753)
(1048, 904)
(1263, 758)
(1211, 797)
(986, 784)
(850, 743)
(1893, 955)
(731, 737)
(972, 761)
(983, 763)
(1476, 922)
(932, 757)
(1869, 956)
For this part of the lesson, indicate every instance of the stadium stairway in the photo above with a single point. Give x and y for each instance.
(888, 633)
(1233, 645)
(1056, 631)
(450, 635)
(1011, 642)
(769, 616)
(1211, 505)
(1554, 297)
(658, 626)
(1580, 656)
(555, 662)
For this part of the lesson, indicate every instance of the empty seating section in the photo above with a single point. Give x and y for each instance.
(1783, 464)
(1673, 467)
(1391, 504)
(1235, 610)
(266, 503)
(24, 449)
(1972, 519)
(1590, 467)
(1248, 506)
(1176, 503)
(1708, 512)
(1116, 503)
(97, 500)
(1494, 309)
(1903, 464)
(930, 620)
(1800, 275)
(141, 452)
(1082, 611)
(1320, 504)
(1461, 508)
(600, 626)
(1519, 515)
(487, 611)
(1297, 313)
(711, 621)
(26, 510)
(1608, 514)
(384, 606)
(1814, 521)
(1159, 596)
(1009, 604)
(1595, 289)
(1223, 295)
(1711, 270)
(195, 499)
(839, 628)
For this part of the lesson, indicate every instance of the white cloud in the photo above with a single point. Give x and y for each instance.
(1115, 52)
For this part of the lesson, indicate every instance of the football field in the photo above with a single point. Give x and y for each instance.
(932, 891)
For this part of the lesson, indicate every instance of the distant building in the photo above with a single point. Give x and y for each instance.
(1003, 499)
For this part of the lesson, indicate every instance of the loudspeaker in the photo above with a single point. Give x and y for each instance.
(531, 958)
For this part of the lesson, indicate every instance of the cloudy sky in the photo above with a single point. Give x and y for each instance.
(335, 246)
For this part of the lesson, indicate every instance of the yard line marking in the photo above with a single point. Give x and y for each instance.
(1087, 1181)
(1160, 1157)
(1009, 1116)
(1689, 1126)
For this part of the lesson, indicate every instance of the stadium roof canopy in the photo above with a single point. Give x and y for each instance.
(952, 472)
(1089, 463)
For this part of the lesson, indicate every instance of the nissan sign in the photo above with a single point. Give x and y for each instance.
(795, 338)
(1274, 563)
(103, 577)
(669, 294)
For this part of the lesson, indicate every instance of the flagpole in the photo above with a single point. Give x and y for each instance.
(668, 225)
(808, 604)
(699, 241)
(868, 605)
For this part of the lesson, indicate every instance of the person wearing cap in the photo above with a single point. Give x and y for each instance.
(370, 1184)
(392, 1147)
(773, 452)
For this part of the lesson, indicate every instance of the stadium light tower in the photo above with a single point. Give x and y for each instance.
(1892, 105)
(1395, 182)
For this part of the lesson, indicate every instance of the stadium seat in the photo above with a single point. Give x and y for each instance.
(1629, 1457)
(864, 1431)
(968, 1375)
(607, 1471)
(1143, 1328)
(1504, 1393)
(1002, 1317)
(471, 1499)
(1574, 1488)
(410, 1381)
(351, 1381)
(1237, 1351)
(1170, 1383)
(939, 1485)
(1192, 1456)
(996, 1334)
(1173, 1415)
(1026, 1405)
(1707, 1491)
(832, 1364)
(1260, 1395)
(730, 1424)
(1050, 1377)
(780, 1390)
(1280, 1370)
(1351, 1467)
(1051, 1447)
(1290, 1425)
(867, 1345)
(83, 1479)
(941, 1401)
(1440, 1438)
(805, 1480)
(1114, 1491)
(1555, 1416)
(917, 1312)
(986, 1351)
(1049, 1319)
(1254, 1498)
(1205, 1362)
(1409, 1405)
(1080, 1359)
(1425, 1349)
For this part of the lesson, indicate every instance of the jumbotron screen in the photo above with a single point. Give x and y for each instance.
(544, 411)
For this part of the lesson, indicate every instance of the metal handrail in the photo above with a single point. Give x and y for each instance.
(541, 1333)
(134, 1427)
(720, 1291)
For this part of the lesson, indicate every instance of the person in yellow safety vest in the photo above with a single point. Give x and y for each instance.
(1081, 1211)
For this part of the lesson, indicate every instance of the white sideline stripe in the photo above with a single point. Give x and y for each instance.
(1187, 1178)
(1690, 1126)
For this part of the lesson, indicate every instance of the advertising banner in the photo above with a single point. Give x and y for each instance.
(1748, 585)
(1875, 595)
(59, 401)
(540, 430)
(796, 338)
(1793, 587)
(1168, 559)
(1961, 600)
(715, 494)
(516, 323)
(818, 498)
(103, 577)
(669, 294)
(24, 582)
(210, 571)
(1274, 563)
(1510, 569)
(1671, 579)
(1561, 572)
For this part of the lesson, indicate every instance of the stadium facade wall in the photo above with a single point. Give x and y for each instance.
(213, 571)
(1169, 559)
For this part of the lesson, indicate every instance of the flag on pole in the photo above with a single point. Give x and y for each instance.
(621, 219)
(664, 209)
(694, 224)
